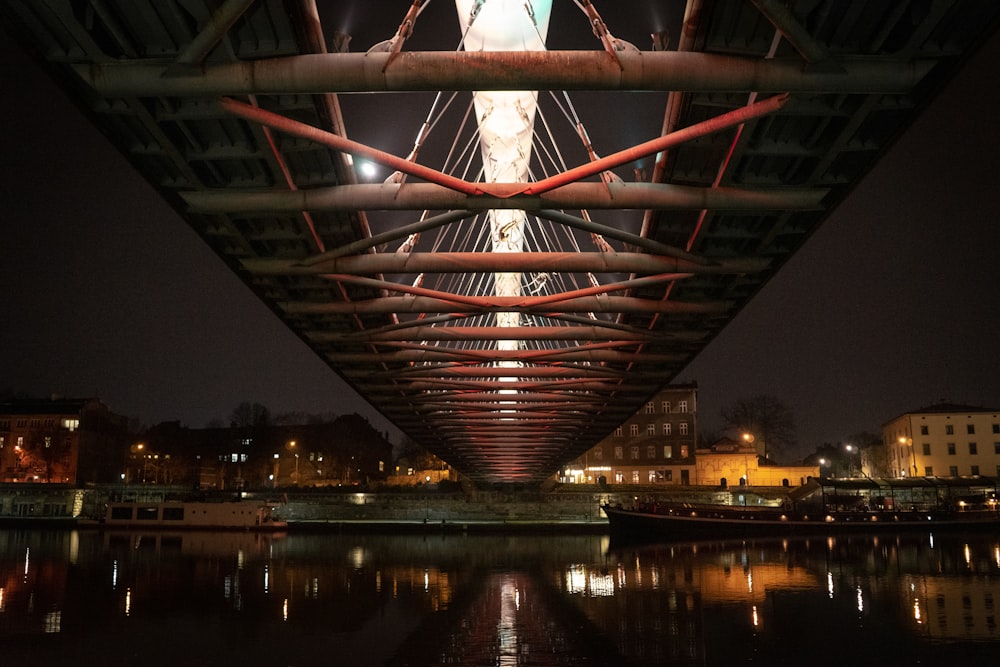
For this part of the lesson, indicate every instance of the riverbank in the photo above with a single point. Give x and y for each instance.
(567, 509)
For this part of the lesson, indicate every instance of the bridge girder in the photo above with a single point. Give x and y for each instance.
(765, 119)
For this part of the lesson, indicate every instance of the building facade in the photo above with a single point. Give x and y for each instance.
(729, 462)
(347, 451)
(60, 441)
(654, 446)
(944, 440)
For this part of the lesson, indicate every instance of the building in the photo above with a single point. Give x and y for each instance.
(654, 446)
(657, 445)
(60, 441)
(943, 440)
(730, 462)
(347, 451)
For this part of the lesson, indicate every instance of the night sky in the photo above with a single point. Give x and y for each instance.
(892, 305)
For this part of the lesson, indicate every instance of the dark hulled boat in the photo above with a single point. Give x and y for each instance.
(823, 506)
(724, 521)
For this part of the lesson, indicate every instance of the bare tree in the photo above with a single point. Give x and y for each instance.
(49, 449)
(248, 414)
(767, 419)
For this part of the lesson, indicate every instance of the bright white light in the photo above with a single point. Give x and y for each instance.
(576, 580)
(368, 170)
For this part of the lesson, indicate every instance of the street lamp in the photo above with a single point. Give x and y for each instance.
(908, 442)
(850, 449)
(291, 447)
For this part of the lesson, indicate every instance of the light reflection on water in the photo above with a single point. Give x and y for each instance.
(239, 598)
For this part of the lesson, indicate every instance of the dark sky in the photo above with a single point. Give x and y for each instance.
(104, 291)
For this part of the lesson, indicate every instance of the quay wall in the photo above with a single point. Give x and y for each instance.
(572, 505)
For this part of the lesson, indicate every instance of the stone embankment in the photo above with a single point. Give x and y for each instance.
(570, 509)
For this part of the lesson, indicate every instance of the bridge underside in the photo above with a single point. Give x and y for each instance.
(667, 182)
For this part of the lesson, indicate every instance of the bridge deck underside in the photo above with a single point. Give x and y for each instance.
(236, 113)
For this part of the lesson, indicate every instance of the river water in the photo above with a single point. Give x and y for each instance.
(125, 598)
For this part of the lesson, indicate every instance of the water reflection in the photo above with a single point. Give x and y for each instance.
(203, 598)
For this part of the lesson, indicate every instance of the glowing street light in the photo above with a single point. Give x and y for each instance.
(850, 449)
(908, 442)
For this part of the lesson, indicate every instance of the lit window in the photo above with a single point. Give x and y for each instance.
(635, 476)
(682, 428)
(650, 429)
(668, 451)
(652, 477)
(619, 477)
(684, 451)
(650, 408)
(633, 429)
(381, 466)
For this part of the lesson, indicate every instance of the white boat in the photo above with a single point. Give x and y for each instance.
(239, 515)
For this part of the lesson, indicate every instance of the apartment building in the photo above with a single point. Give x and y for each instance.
(654, 446)
(944, 440)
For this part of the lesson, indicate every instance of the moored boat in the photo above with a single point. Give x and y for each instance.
(239, 515)
(723, 521)
(821, 506)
